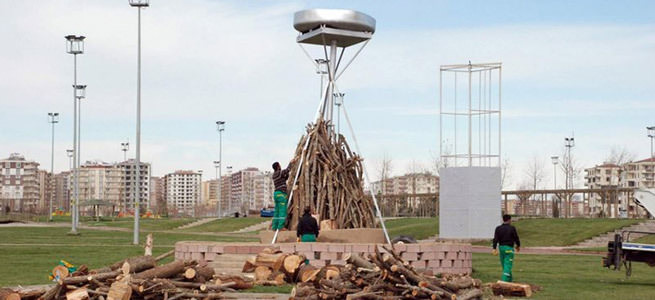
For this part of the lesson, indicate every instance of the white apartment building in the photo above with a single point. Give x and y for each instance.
(157, 194)
(183, 190)
(61, 191)
(101, 182)
(639, 174)
(46, 190)
(129, 183)
(607, 175)
(251, 189)
(412, 183)
(19, 185)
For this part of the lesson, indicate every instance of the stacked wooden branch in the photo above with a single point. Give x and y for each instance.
(273, 267)
(381, 276)
(138, 278)
(330, 181)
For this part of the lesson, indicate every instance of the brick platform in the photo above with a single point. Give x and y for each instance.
(436, 257)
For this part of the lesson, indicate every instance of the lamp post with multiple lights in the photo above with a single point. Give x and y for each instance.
(125, 147)
(569, 142)
(217, 165)
(139, 4)
(53, 118)
(75, 46)
(220, 127)
(651, 135)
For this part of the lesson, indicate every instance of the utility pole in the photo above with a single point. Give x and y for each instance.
(651, 135)
(569, 143)
(53, 118)
(220, 127)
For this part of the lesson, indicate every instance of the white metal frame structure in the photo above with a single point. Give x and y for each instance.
(470, 105)
(334, 30)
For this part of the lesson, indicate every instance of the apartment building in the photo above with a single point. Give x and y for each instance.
(640, 174)
(102, 183)
(157, 195)
(129, 183)
(61, 191)
(251, 189)
(412, 183)
(182, 190)
(46, 190)
(607, 175)
(19, 184)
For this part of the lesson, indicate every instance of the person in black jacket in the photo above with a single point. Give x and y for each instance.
(506, 236)
(280, 196)
(307, 227)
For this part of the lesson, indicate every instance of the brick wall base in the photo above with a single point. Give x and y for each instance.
(453, 258)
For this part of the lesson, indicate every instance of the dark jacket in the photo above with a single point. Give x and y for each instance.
(307, 225)
(506, 235)
(280, 179)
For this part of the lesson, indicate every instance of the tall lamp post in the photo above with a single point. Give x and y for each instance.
(217, 165)
(139, 4)
(220, 127)
(75, 46)
(569, 142)
(651, 135)
(555, 160)
(53, 118)
(125, 147)
(80, 93)
(338, 101)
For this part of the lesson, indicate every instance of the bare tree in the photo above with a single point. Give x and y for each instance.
(385, 169)
(573, 170)
(620, 155)
(535, 171)
(505, 176)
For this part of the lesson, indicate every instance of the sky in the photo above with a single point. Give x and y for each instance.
(581, 68)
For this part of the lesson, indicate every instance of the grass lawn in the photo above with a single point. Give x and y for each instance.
(419, 228)
(571, 277)
(145, 224)
(226, 224)
(32, 252)
(564, 232)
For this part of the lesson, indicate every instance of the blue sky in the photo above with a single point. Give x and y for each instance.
(568, 66)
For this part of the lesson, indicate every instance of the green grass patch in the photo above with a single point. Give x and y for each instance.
(419, 228)
(564, 232)
(282, 289)
(145, 224)
(570, 276)
(226, 225)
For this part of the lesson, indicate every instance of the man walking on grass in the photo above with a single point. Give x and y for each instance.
(506, 236)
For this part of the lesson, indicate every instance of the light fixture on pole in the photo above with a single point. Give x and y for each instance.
(69, 153)
(555, 160)
(322, 70)
(220, 127)
(217, 164)
(569, 142)
(338, 101)
(75, 46)
(125, 147)
(139, 4)
(53, 118)
(651, 135)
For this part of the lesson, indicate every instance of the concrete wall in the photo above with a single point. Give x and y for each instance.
(469, 202)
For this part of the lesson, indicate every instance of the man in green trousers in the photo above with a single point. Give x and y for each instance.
(506, 237)
(280, 177)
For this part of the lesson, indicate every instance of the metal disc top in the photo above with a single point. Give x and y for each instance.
(345, 19)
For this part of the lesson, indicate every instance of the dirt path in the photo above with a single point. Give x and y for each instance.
(543, 251)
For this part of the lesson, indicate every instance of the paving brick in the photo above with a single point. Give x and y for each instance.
(317, 262)
(181, 247)
(230, 249)
(359, 248)
(461, 255)
(400, 247)
(288, 248)
(196, 255)
(218, 249)
(413, 248)
(335, 248)
(192, 248)
(338, 262)
(328, 255)
(446, 263)
(451, 255)
(203, 248)
(457, 263)
(409, 256)
(308, 254)
(469, 255)
(433, 264)
(243, 250)
(347, 248)
(319, 247)
(210, 256)
(187, 255)
(303, 247)
(428, 247)
(429, 255)
(441, 255)
(419, 264)
(179, 255)
(259, 249)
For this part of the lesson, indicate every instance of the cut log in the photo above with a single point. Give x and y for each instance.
(250, 265)
(307, 273)
(511, 289)
(165, 255)
(262, 273)
(8, 294)
(60, 272)
(137, 263)
(190, 273)
(278, 277)
(292, 263)
(470, 294)
(77, 294)
(328, 224)
(164, 271)
(120, 290)
(77, 280)
(240, 282)
(148, 247)
(267, 260)
(358, 261)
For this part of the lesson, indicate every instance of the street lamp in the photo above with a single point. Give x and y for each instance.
(220, 127)
(75, 46)
(139, 4)
(69, 153)
(569, 142)
(53, 118)
(125, 147)
(217, 164)
(651, 135)
(555, 160)
(322, 70)
(338, 101)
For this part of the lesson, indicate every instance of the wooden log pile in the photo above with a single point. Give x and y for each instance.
(271, 267)
(330, 181)
(140, 278)
(382, 275)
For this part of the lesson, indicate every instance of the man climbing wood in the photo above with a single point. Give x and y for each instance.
(307, 227)
(506, 236)
(280, 195)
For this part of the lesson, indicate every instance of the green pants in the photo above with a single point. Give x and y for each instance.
(280, 214)
(308, 237)
(506, 260)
